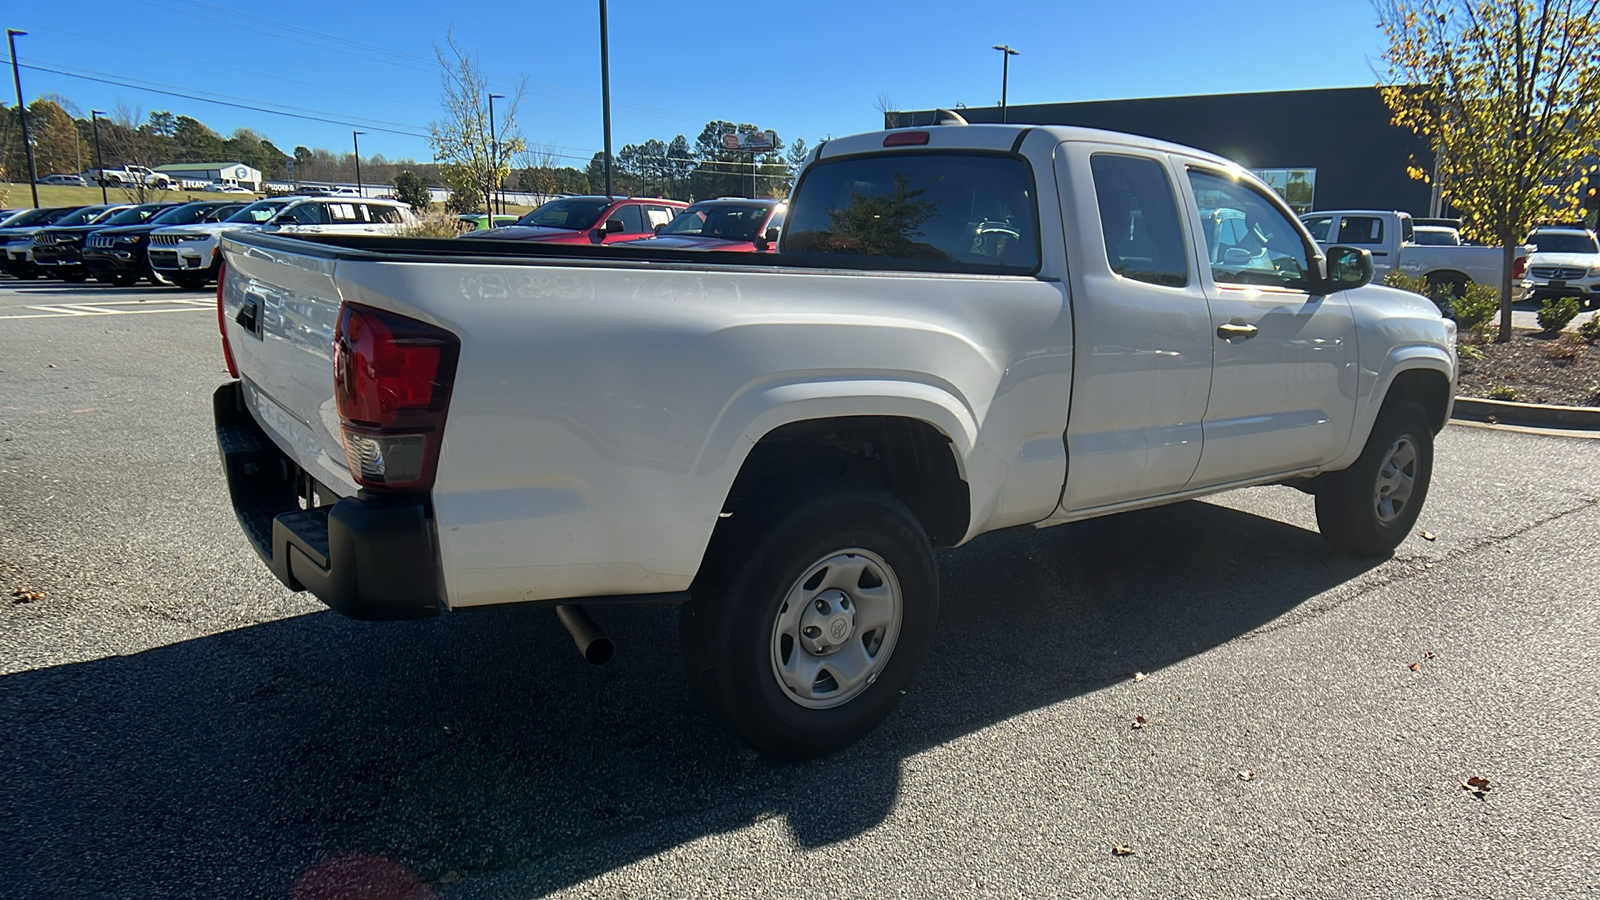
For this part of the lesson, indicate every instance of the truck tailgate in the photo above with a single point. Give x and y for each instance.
(279, 311)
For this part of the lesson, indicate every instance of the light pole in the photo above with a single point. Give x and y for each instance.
(605, 91)
(99, 161)
(355, 138)
(494, 163)
(22, 113)
(1005, 75)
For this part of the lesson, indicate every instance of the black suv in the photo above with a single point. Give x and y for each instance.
(58, 250)
(19, 229)
(119, 254)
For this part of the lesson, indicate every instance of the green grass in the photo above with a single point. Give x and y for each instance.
(17, 195)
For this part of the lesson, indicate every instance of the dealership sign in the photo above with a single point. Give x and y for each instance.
(754, 142)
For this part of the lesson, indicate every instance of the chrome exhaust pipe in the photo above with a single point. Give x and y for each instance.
(592, 642)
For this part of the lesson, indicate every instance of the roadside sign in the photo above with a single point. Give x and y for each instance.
(754, 142)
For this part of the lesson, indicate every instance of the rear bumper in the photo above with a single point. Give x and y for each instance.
(363, 558)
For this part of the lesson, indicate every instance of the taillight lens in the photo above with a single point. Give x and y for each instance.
(1520, 267)
(227, 351)
(392, 379)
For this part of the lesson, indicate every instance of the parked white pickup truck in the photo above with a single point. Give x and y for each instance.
(966, 328)
(123, 176)
(1389, 236)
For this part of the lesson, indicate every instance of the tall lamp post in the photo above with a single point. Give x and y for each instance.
(494, 163)
(1005, 75)
(99, 161)
(355, 138)
(605, 91)
(22, 113)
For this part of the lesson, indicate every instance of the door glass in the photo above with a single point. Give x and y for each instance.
(632, 222)
(1248, 239)
(1318, 226)
(1139, 217)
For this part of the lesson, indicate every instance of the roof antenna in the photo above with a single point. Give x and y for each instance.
(948, 117)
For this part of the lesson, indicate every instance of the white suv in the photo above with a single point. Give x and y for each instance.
(187, 254)
(1565, 263)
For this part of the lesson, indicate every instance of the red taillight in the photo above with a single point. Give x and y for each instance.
(392, 378)
(905, 138)
(227, 351)
(1520, 267)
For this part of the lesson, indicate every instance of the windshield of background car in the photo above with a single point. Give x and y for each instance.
(187, 214)
(574, 214)
(44, 216)
(221, 213)
(1563, 243)
(731, 223)
(951, 212)
(258, 212)
(80, 217)
(133, 216)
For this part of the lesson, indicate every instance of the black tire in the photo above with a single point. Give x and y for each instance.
(124, 280)
(730, 634)
(1350, 503)
(74, 277)
(190, 281)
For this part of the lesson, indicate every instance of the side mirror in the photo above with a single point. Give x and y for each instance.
(658, 226)
(765, 240)
(1348, 267)
(772, 235)
(614, 226)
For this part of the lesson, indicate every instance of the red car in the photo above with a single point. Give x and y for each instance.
(588, 220)
(731, 225)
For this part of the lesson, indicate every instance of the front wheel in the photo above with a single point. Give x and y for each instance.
(1369, 508)
(190, 281)
(811, 619)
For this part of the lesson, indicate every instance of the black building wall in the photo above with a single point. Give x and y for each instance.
(1344, 133)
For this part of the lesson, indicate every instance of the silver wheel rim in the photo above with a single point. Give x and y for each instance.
(836, 629)
(1397, 478)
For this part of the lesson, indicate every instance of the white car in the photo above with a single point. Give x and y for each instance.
(964, 329)
(187, 255)
(74, 180)
(1565, 263)
(219, 187)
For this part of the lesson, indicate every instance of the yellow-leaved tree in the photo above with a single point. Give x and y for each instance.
(1507, 93)
(474, 155)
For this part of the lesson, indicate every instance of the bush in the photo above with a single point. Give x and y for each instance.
(1557, 312)
(1567, 348)
(1468, 351)
(1477, 306)
(1440, 295)
(1502, 392)
(409, 188)
(435, 224)
(1590, 329)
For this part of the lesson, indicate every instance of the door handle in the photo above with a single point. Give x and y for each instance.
(1229, 331)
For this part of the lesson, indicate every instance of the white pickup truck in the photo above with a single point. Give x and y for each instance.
(1390, 237)
(124, 176)
(965, 328)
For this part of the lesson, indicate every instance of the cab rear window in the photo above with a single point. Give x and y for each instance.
(949, 212)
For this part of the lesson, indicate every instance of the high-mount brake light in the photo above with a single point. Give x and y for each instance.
(222, 326)
(392, 379)
(905, 139)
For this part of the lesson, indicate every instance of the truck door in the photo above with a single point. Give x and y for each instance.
(1142, 365)
(1374, 234)
(1283, 387)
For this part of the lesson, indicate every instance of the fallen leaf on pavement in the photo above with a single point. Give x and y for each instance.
(1138, 722)
(1138, 676)
(1492, 420)
(1428, 655)
(1478, 786)
(1122, 850)
(450, 877)
(1414, 667)
(1246, 775)
(24, 595)
(1428, 536)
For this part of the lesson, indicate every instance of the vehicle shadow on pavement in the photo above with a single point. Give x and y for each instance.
(481, 751)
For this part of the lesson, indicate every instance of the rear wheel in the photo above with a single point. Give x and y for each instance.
(810, 619)
(1369, 508)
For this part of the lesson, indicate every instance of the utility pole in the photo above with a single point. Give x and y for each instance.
(494, 163)
(355, 138)
(99, 161)
(22, 113)
(605, 91)
(1005, 76)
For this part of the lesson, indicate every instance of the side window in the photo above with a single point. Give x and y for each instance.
(1139, 217)
(657, 216)
(1360, 230)
(307, 214)
(387, 215)
(632, 221)
(1319, 227)
(1249, 240)
(344, 214)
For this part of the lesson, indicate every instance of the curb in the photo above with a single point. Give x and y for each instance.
(1528, 415)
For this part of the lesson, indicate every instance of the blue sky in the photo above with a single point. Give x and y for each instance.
(804, 69)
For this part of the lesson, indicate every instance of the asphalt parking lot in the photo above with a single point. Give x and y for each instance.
(178, 725)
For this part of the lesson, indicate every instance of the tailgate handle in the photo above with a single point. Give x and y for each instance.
(249, 315)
